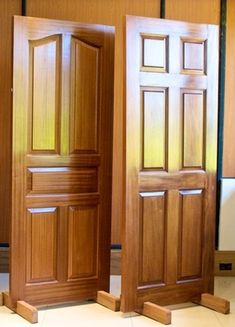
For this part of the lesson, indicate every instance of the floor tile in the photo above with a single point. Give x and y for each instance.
(11, 319)
(88, 315)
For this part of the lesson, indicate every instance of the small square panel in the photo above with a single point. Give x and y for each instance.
(193, 56)
(154, 53)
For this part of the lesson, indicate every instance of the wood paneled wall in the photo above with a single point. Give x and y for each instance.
(195, 11)
(8, 8)
(229, 106)
(109, 12)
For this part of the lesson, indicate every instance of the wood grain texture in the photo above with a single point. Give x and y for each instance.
(55, 180)
(4, 260)
(27, 311)
(85, 79)
(82, 250)
(229, 106)
(7, 10)
(193, 135)
(44, 109)
(157, 313)
(110, 12)
(153, 229)
(108, 300)
(190, 239)
(215, 303)
(55, 264)
(195, 277)
(7, 301)
(206, 12)
(42, 231)
(154, 129)
(115, 262)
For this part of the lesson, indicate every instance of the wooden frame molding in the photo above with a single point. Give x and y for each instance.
(157, 312)
(108, 300)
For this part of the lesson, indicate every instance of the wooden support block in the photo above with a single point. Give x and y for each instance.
(7, 301)
(108, 300)
(27, 311)
(1, 299)
(157, 313)
(215, 303)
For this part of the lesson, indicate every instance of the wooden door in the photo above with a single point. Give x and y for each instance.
(62, 158)
(171, 126)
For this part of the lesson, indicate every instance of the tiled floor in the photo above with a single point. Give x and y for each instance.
(92, 314)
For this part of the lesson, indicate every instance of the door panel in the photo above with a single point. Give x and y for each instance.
(152, 228)
(171, 126)
(62, 159)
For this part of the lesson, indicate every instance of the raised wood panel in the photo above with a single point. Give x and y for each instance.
(42, 224)
(194, 60)
(155, 52)
(207, 11)
(44, 90)
(7, 10)
(109, 12)
(62, 180)
(155, 129)
(229, 105)
(190, 239)
(82, 250)
(193, 125)
(85, 85)
(152, 235)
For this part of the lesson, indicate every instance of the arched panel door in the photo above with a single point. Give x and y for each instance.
(62, 159)
(171, 144)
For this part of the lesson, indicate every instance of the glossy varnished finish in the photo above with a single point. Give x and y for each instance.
(62, 160)
(170, 169)
(7, 9)
(108, 12)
